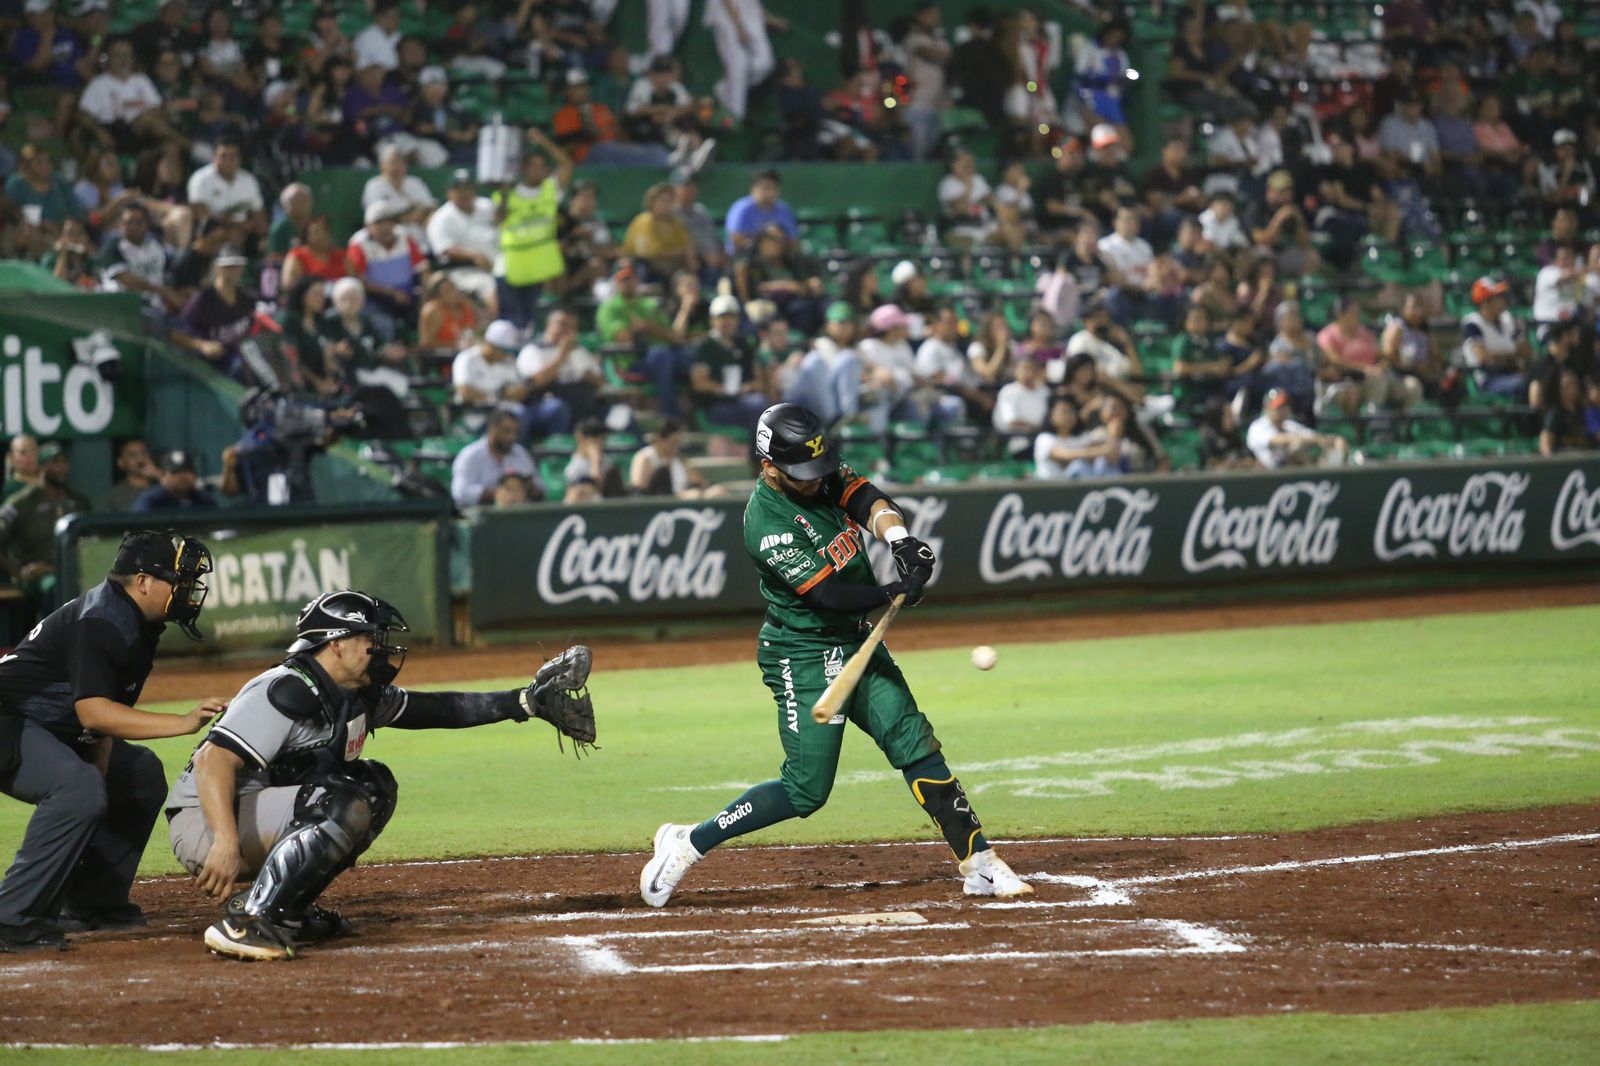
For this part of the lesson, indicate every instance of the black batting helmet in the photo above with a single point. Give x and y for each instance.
(793, 439)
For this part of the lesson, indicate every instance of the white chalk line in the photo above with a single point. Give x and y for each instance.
(596, 957)
(1477, 949)
(1123, 884)
(401, 1045)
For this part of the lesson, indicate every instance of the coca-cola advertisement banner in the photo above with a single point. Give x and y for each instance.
(639, 559)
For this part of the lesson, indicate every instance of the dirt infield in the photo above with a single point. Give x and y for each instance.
(914, 631)
(1458, 911)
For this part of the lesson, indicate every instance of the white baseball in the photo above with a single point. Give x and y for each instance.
(984, 657)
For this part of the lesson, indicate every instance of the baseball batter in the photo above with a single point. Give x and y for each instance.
(804, 529)
(278, 790)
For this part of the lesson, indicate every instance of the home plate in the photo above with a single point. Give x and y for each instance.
(870, 918)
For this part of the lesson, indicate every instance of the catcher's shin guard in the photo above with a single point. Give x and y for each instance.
(946, 803)
(333, 824)
(381, 790)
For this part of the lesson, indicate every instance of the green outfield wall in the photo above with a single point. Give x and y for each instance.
(638, 561)
(270, 562)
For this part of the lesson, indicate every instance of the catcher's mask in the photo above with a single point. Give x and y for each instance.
(182, 562)
(336, 615)
(794, 441)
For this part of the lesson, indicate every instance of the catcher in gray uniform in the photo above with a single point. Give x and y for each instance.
(278, 790)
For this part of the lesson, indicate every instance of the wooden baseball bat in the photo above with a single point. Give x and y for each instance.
(838, 691)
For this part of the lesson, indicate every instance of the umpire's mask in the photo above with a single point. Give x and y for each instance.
(182, 562)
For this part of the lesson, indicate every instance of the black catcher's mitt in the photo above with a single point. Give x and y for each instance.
(559, 694)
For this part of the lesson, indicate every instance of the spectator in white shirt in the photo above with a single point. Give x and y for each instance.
(465, 239)
(927, 52)
(379, 44)
(1559, 288)
(126, 106)
(1112, 349)
(224, 190)
(395, 184)
(558, 364)
(1546, 14)
(1021, 407)
(945, 369)
(657, 104)
(965, 199)
(1128, 258)
(591, 474)
(1064, 452)
(1220, 225)
(1277, 440)
(1494, 345)
(487, 373)
(889, 365)
(480, 466)
(136, 261)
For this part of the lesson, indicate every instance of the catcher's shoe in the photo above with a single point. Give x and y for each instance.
(988, 875)
(674, 855)
(250, 939)
(313, 923)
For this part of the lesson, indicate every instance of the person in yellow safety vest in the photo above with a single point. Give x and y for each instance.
(527, 213)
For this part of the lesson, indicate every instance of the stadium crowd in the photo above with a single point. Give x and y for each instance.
(1231, 294)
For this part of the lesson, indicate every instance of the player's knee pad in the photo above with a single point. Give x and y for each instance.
(381, 789)
(946, 803)
(344, 807)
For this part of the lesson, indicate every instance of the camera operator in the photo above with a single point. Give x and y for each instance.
(271, 463)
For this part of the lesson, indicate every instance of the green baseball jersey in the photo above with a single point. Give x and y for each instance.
(797, 546)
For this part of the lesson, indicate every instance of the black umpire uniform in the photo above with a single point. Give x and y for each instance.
(96, 799)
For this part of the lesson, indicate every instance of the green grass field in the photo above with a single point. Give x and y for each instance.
(1245, 730)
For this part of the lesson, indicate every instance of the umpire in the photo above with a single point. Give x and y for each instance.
(67, 696)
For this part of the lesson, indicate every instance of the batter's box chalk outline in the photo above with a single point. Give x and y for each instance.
(597, 957)
(1119, 891)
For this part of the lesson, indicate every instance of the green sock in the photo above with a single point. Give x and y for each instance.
(939, 793)
(763, 805)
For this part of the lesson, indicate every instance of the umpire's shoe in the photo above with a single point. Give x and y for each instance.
(31, 935)
(105, 919)
(250, 939)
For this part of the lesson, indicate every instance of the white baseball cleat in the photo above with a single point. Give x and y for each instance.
(674, 855)
(988, 875)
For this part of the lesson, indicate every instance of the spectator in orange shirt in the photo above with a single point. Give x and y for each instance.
(316, 255)
(588, 131)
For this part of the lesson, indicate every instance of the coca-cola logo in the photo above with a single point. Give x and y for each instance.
(921, 515)
(1482, 519)
(670, 560)
(1577, 517)
(1293, 528)
(1104, 535)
